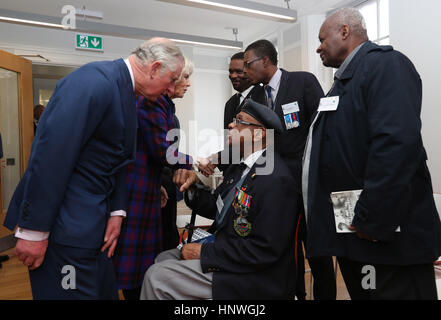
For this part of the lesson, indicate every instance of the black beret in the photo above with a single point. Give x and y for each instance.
(263, 114)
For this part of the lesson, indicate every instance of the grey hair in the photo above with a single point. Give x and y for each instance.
(162, 50)
(187, 68)
(352, 18)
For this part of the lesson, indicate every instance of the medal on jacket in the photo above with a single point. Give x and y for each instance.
(291, 115)
(241, 205)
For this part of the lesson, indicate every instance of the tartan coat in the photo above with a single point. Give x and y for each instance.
(140, 240)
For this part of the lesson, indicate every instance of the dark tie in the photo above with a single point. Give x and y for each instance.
(269, 97)
(234, 180)
(238, 102)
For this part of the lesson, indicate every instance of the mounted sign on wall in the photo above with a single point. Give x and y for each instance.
(88, 42)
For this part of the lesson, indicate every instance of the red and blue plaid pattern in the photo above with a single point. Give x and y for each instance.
(140, 240)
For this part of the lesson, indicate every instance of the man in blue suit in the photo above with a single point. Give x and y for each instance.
(70, 203)
(366, 140)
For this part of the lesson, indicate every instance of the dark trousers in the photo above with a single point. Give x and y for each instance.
(366, 281)
(322, 270)
(170, 234)
(69, 273)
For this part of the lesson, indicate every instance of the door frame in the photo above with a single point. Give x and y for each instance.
(23, 68)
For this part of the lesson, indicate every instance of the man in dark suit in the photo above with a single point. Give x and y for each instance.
(245, 90)
(250, 257)
(294, 96)
(367, 137)
(70, 203)
(242, 84)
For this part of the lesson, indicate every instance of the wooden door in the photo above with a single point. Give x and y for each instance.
(16, 125)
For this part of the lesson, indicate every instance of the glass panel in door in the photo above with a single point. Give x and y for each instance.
(10, 132)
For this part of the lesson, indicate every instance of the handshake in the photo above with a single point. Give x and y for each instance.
(184, 179)
(207, 165)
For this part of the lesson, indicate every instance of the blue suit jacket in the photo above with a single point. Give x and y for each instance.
(373, 142)
(76, 171)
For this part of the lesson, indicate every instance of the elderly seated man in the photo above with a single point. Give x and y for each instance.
(253, 252)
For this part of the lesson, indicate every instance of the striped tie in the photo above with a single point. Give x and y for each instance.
(269, 97)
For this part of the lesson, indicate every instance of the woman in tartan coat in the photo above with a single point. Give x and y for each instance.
(140, 240)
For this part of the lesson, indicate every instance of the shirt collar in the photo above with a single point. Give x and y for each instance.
(347, 61)
(245, 92)
(274, 83)
(129, 66)
(252, 158)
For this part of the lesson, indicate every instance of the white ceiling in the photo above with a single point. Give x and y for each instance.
(169, 17)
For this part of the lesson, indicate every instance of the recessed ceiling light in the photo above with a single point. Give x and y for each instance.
(243, 6)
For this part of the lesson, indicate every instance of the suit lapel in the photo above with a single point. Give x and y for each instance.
(281, 93)
(246, 183)
(237, 104)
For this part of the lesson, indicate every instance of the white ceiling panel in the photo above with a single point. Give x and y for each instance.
(170, 17)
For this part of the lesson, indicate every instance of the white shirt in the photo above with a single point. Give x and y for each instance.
(243, 94)
(129, 66)
(251, 160)
(33, 235)
(274, 83)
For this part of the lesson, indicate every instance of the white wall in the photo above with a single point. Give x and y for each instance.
(203, 103)
(59, 45)
(311, 60)
(202, 107)
(213, 90)
(415, 31)
(297, 44)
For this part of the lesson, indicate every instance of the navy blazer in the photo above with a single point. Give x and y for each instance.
(260, 265)
(76, 171)
(232, 108)
(303, 88)
(233, 105)
(373, 142)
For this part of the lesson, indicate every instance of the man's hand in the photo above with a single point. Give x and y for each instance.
(31, 253)
(164, 197)
(113, 230)
(191, 251)
(361, 235)
(184, 179)
(206, 167)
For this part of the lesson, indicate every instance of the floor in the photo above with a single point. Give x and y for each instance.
(14, 279)
(15, 285)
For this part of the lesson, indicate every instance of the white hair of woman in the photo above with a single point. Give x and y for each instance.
(187, 69)
(162, 50)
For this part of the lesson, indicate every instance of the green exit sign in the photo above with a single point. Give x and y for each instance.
(89, 42)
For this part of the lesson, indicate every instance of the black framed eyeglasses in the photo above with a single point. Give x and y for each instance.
(240, 121)
(247, 64)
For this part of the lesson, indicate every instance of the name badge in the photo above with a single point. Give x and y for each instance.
(329, 104)
(219, 204)
(291, 115)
